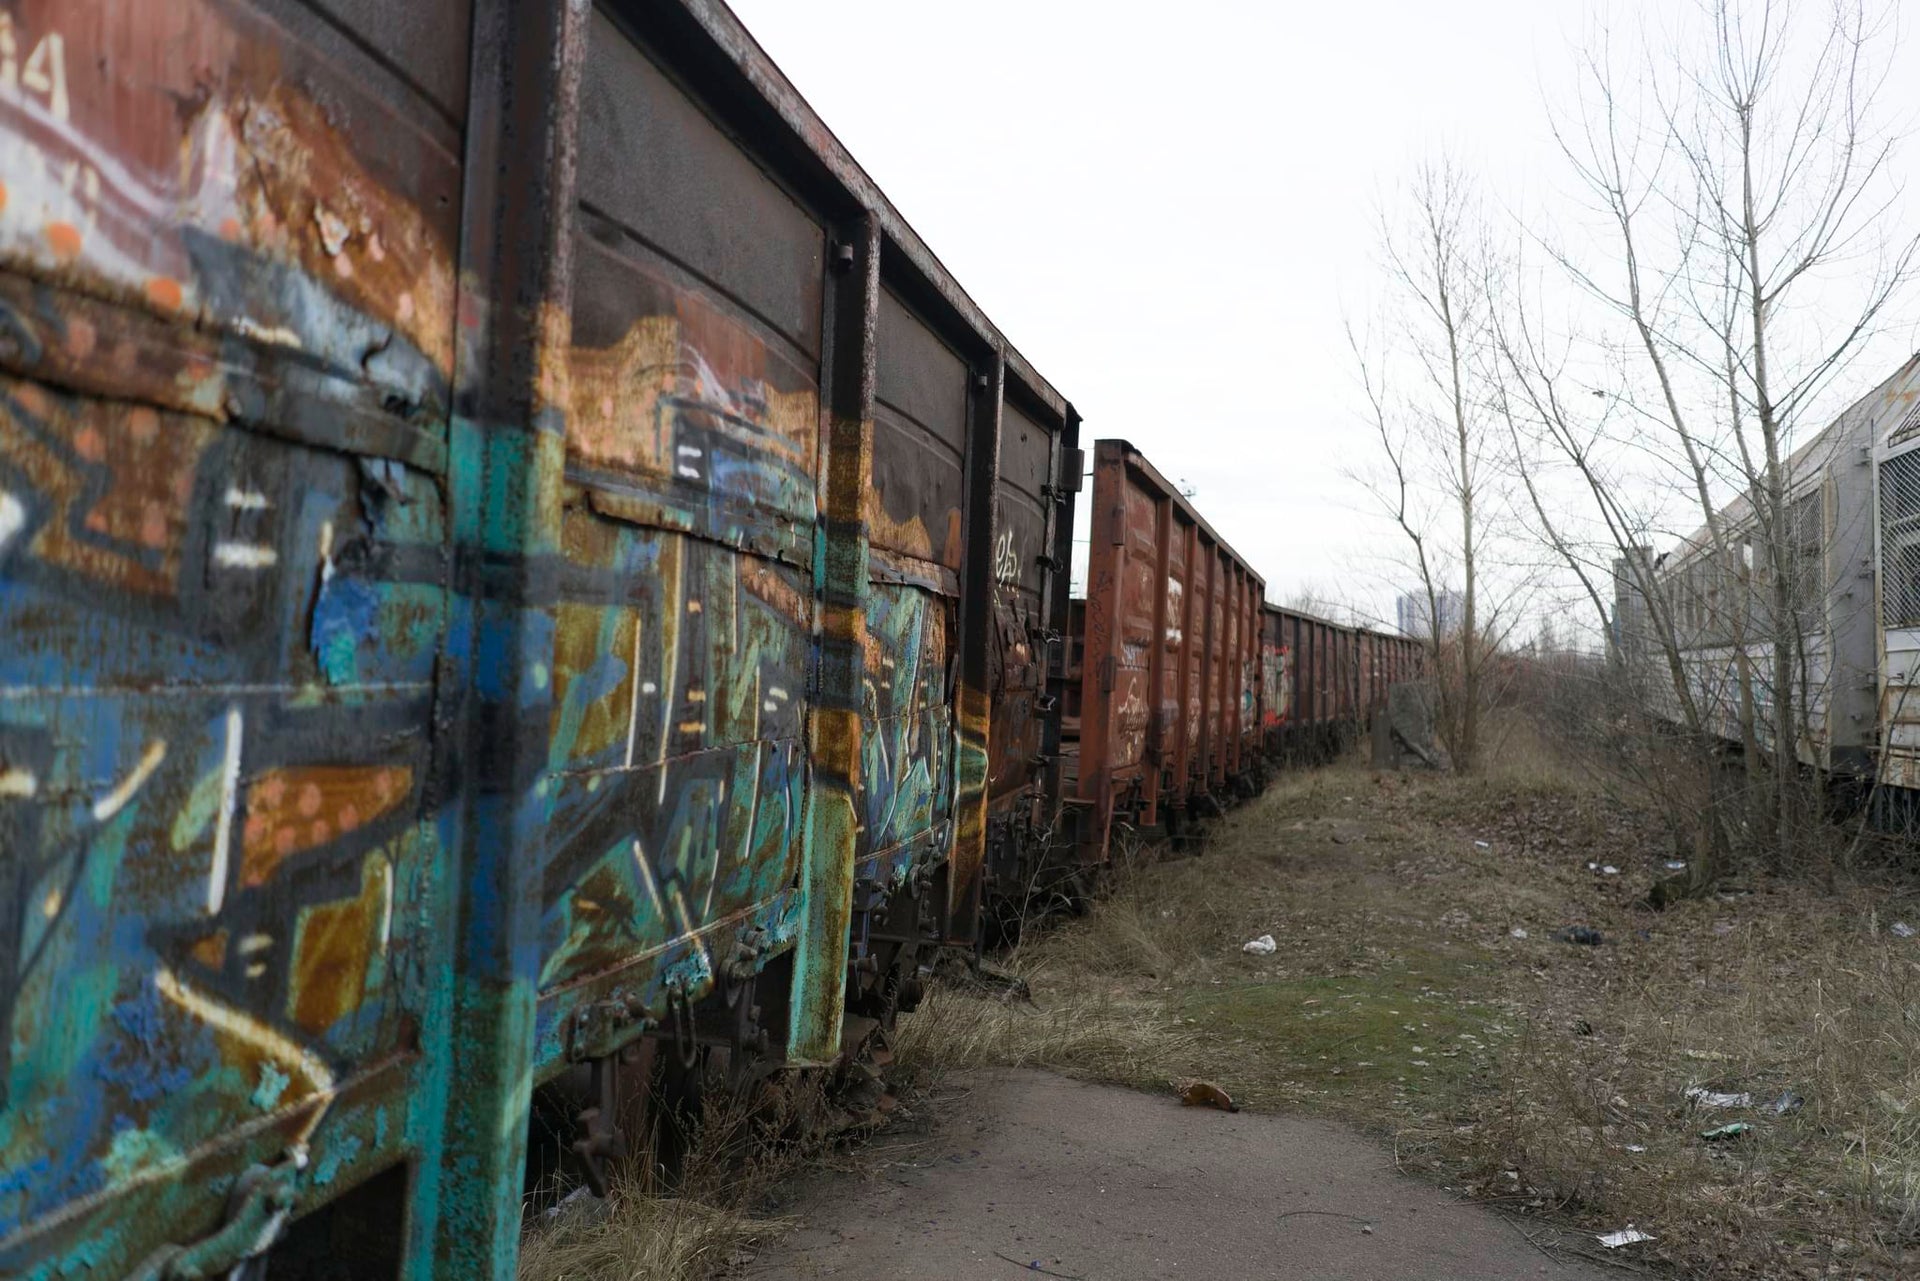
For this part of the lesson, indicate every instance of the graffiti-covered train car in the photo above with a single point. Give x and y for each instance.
(510, 549)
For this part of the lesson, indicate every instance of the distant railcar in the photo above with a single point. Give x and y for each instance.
(1325, 682)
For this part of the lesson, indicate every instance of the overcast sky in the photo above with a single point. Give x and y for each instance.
(1170, 208)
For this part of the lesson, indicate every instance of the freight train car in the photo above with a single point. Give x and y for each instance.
(1168, 714)
(1324, 682)
(511, 552)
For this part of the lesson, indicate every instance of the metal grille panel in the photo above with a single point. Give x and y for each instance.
(1900, 540)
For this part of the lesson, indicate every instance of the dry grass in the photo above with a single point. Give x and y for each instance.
(1519, 1071)
(711, 1218)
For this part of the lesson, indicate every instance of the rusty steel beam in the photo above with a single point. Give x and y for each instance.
(508, 456)
(831, 819)
(966, 855)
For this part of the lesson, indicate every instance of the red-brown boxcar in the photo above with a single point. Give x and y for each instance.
(1170, 672)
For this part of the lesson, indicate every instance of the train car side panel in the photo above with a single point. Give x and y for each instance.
(227, 264)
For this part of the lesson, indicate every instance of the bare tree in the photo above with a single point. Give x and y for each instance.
(1744, 191)
(1436, 436)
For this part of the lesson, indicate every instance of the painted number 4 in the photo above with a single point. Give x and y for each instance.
(44, 73)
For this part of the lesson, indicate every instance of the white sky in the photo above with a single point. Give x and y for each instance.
(1169, 209)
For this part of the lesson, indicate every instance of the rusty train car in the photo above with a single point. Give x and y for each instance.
(1324, 681)
(512, 555)
(1167, 656)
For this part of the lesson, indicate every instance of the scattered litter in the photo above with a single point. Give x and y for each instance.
(1676, 865)
(1625, 1236)
(1483, 845)
(559, 1208)
(1516, 932)
(1703, 1097)
(1205, 1094)
(1580, 935)
(1787, 1102)
(1262, 946)
(1609, 870)
(1636, 1147)
(1900, 930)
(1724, 1132)
(1712, 1056)
(1593, 867)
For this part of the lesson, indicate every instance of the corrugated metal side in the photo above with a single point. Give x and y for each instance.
(1171, 667)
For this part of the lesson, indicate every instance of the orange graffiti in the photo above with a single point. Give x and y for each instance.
(64, 239)
(165, 293)
(298, 808)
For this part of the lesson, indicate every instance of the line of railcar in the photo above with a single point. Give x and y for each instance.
(518, 571)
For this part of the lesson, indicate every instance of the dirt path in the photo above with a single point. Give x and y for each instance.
(1018, 1168)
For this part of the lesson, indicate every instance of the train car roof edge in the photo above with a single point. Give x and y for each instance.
(1138, 461)
(731, 37)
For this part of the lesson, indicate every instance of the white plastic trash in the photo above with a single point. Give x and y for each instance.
(1262, 946)
(1516, 932)
(1900, 930)
(1483, 845)
(1625, 1236)
(1715, 1099)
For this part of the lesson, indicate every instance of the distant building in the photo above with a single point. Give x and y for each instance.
(1410, 612)
(1629, 629)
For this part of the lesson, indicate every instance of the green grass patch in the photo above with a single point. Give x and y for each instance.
(1406, 1029)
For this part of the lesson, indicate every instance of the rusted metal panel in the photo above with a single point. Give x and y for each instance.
(227, 265)
(1029, 502)
(683, 634)
(1166, 677)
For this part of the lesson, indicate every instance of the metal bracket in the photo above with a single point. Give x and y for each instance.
(603, 1140)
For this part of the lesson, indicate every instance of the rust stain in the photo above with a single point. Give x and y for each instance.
(289, 810)
(577, 651)
(615, 394)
